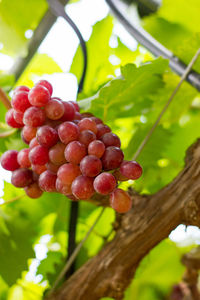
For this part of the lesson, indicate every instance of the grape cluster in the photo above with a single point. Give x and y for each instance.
(69, 152)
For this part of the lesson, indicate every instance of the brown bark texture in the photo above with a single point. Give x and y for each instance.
(150, 221)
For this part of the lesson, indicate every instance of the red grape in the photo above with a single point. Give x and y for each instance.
(28, 133)
(90, 166)
(104, 183)
(46, 84)
(34, 117)
(97, 120)
(63, 188)
(69, 113)
(22, 177)
(39, 155)
(39, 96)
(131, 170)
(23, 158)
(56, 154)
(102, 129)
(10, 120)
(47, 181)
(87, 115)
(96, 148)
(47, 136)
(33, 190)
(33, 143)
(38, 169)
(78, 116)
(75, 105)
(18, 116)
(20, 101)
(120, 201)
(21, 88)
(112, 158)
(87, 124)
(86, 137)
(68, 132)
(110, 139)
(82, 187)
(51, 167)
(68, 172)
(54, 109)
(9, 160)
(74, 152)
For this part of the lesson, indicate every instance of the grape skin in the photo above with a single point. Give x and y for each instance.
(86, 137)
(9, 160)
(33, 191)
(22, 177)
(110, 139)
(39, 155)
(54, 109)
(90, 166)
(68, 132)
(82, 187)
(131, 170)
(112, 158)
(96, 148)
(20, 101)
(47, 181)
(75, 152)
(47, 136)
(29, 133)
(39, 96)
(34, 117)
(87, 124)
(56, 154)
(10, 120)
(23, 158)
(104, 183)
(46, 84)
(68, 172)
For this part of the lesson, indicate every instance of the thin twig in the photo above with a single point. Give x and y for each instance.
(74, 254)
(188, 69)
(4, 99)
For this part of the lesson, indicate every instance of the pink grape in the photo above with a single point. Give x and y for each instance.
(87, 124)
(22, 177)
(96, 148)
(54, 109)
(46, 84)
(47, 136)
(102, 129)
(131, 170)
(34, 117)
(10, 120)
(39, 96)
(56, 154)
(68, 132)
(9, 160)
(74, 152)
(18, 116)
(39, 155)
(33, 191)
(21, 88)
(47, 181)
(90, 166)
(120, 201)
(82, 187)
(33, 143)
(52, 167)
(104, 183)
(112, 158)
(63, 188)
(69, 113)
(29, 133)
(38, 169)
(75, 105)
(68, 172)
(23, 158)
(110, 139)
(20, 101)
(86, 137)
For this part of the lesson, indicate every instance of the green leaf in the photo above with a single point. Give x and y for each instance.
(122, 93)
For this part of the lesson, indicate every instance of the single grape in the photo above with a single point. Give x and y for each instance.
(28, 133)
(21, 88)
(63, 188)
(23, 158)
(39, 155)
(51, 167)
(39, 96)
(33, 143)
(38, 169)
(74, 152)
(104, 183)
(82, 187)
(34, 117)
(54, 109)
(112, 158)
(118, 175)
(20, 101)
(75, 105)
(120, 201)
(69, 113)
(56, 154)
(33, 191)
(68, 172)
(102, 129)
(131, 170)
(10, 120)
(46, 84)
(47, 136)
(68, 132)
(86, 137)
(87, 124)
(18, 116)
(96, 148)
(110, 139)
(47, 181)
(9, 160)
(22, 177)
(78, 116)
(90, 166)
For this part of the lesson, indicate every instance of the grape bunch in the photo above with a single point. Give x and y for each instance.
(69, 152)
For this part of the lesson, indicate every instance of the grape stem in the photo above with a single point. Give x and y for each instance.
(183, 77)
(74, 254)
(4, 99)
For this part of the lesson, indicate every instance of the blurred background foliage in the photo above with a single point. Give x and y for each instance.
(127, 88)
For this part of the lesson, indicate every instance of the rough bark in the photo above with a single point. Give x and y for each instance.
(149, 222)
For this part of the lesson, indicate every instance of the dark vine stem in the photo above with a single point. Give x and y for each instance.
(145, 39)
(59, 11)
